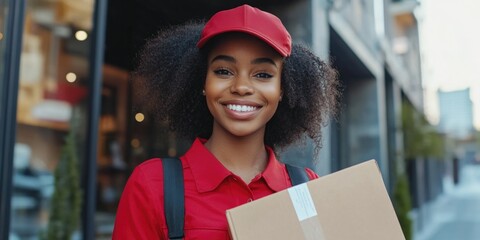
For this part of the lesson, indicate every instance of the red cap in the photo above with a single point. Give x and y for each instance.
(250, 20)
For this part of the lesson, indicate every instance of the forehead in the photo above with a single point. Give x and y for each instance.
(241, 42)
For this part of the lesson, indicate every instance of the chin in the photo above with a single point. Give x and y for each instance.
(243, 132)
(239, 129)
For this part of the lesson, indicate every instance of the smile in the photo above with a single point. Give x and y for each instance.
(241, 108)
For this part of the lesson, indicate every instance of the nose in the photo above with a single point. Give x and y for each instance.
(242, 85)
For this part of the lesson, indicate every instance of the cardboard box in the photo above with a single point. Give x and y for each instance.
(349, 204)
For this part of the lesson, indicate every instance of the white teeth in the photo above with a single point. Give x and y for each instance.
(241, 108)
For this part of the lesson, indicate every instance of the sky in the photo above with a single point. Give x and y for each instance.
(450, 50)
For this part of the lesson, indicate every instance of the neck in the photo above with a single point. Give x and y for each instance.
(244, 156)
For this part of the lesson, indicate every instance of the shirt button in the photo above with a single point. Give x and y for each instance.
(249, 200)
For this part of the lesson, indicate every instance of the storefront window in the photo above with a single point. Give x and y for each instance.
(112, 147)
(52, 115)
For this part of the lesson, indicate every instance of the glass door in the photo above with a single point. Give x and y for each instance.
(52, 120)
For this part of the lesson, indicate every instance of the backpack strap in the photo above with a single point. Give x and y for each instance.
(174, 199)
(298, 175)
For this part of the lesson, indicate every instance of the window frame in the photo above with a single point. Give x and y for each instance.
(15, 15)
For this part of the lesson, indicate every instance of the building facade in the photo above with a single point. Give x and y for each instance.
(456, 113)
(65, 70)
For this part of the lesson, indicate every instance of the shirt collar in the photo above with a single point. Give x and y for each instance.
(209, 173)
(275, 174)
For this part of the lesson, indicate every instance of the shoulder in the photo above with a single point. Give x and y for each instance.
(150, 173)
(311, 174)
(147, 176)
(147, 171)
(153, 162)
(300, 173)
(145, 185)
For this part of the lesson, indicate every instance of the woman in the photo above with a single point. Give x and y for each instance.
(238, 88)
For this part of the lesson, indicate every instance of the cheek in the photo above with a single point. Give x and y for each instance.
(213, 90)
(211, 87)
(273, 91)
(208, 92)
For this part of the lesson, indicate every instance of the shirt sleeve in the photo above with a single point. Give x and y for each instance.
(136, 215)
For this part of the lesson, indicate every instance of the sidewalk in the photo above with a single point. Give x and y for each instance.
(456, 213)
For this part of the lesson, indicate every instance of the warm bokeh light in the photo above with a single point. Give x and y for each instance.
(71, 77)
(135, 143)
(139, 117)
(81, 35)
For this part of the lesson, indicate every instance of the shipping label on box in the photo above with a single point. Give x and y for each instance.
(349, 204)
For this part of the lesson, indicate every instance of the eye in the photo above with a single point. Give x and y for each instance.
(223, 71)
(263, 75)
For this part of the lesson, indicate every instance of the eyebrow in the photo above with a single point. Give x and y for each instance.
(233, 60)
(225, 58)
(264, 60)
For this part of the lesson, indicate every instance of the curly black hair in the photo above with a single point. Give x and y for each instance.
(171, 75)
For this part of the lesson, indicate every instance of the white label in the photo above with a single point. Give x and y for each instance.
(302, 201)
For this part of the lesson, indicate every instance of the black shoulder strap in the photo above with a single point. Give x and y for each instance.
(174, 205)
(298, 175)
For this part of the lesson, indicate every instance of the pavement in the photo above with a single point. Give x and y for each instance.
(455, 215)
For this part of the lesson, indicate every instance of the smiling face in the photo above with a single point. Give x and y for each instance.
(243, 85)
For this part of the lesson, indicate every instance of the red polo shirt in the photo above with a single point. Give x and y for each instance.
(210, 189)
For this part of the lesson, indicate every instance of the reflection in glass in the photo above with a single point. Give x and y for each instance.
(51, 120)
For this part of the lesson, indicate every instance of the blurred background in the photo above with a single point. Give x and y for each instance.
(71, 132)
